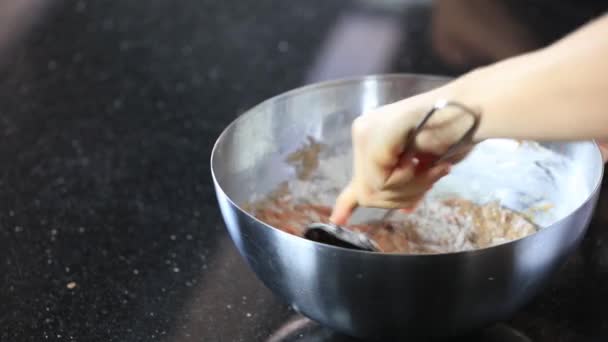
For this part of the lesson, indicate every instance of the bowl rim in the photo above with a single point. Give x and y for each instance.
(362, 79)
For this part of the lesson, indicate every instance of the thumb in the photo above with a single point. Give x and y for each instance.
(346, 203)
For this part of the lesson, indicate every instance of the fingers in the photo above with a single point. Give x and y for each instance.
(404, 191)
(407, 195)
(383, 177)
(414, 203)
(402, 174)
(436, 173)
(403, 181)
(344, 207)
(447, 128)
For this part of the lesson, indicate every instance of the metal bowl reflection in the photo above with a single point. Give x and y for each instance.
(369, 294)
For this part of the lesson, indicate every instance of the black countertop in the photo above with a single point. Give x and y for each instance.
(108, 113)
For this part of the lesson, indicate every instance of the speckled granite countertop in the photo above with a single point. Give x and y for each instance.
(108, 113)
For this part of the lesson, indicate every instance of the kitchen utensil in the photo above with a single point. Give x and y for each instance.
(383, 295)
(333, 234)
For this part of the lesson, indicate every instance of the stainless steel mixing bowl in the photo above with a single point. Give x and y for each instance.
(369, 294)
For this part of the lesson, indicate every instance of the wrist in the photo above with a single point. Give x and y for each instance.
(445, 127)
(471, 91)
(500, 93)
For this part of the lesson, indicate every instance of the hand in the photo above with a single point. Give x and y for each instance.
(384, 168)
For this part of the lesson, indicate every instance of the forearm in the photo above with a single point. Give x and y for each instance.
(557, 93)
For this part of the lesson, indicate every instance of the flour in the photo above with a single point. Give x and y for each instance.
(440, 224)
(331, 175)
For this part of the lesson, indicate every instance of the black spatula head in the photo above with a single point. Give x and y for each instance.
(331, 234)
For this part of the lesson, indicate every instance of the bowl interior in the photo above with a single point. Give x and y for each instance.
(547, 181)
